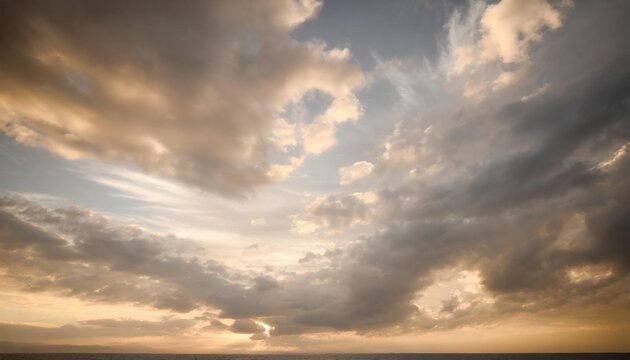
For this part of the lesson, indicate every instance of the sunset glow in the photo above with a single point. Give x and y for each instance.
(271, 176)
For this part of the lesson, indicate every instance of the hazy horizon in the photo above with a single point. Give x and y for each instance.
(315, 176)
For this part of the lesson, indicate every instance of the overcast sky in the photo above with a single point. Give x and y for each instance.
(337, 176)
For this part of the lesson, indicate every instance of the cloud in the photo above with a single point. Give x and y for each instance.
(78, 253)
(533, 192)
(115, 328)
(511, 25)
(506, 31)
(508, 78)
(101, 261)
(258, 222)
(369, 287)
(279, 172)
(407, 146)
(335, 213)
(195, 98)
(525, 219)
(489, 46)
(540, 91)
(319, 136)
(9, 347)
(355, 172)
(246, 327)
(528, 214)
(283, 134)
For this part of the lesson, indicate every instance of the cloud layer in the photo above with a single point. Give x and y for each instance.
(506, 201)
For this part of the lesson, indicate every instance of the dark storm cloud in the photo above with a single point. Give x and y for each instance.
(188, 91)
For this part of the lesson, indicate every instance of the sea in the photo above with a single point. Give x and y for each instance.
(598, 356)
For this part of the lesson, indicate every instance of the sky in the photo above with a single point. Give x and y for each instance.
(315, 176)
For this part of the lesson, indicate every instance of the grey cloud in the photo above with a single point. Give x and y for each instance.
(219, 325)
(450, 305)
(371, 285)
(78, 253)
(10, 347)
(187, 91)
(335, 213)
(309, 257)
(102, 261)
(265, 283)
(241, 326)
(590, 120)
(96, 328)
(609, 219)
(340, 212)
(528, 207)
(506, 213)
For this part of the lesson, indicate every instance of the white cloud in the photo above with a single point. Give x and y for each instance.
(258, 222)
(501, 32)
(511, 25)
(319, 136)
(506, 30)
(509, 78)
(541, 90)
(617, 156)
(279, 172)
(355, 172)
(283, 134)
(406, 146)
